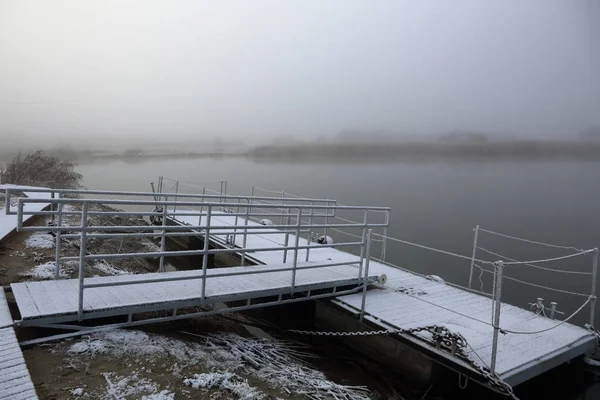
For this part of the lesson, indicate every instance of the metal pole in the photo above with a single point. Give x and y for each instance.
(298, 222)
(367, 258)
(52, 207)
(202, 205)
(364, 240)
(163, 239)
(283, 204)
(499, 267)
(176, 197)
(247, 217)
(287, 235)
(593, 292)
(205, 257)
(326, 221)
(237, 212)
(57, 238)
(473, 256)
(7, 205)
(552, 309)
(309, 234)
(385, 233)
(82, 249)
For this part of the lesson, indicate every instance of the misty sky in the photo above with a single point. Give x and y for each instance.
(244, 69)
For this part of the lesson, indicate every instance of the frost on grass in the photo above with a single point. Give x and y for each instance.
(133, 386)
(216, 362)
(225, 381)
(47, 271)
(40, 240)
(108, 269)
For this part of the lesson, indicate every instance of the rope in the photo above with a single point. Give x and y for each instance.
(534, 284)
(448, 253)
(530, 241)
(552, 327)
(534, 266)
(583, 252)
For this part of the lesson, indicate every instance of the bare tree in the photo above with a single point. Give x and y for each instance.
(41, 169)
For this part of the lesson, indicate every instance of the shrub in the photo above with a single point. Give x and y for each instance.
(41, 169)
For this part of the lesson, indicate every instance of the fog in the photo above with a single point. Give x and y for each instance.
(127, 73)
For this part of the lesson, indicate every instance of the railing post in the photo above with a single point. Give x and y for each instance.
(205, 256)
(298, 223)
(202, 205)
(366, 276)
(176, 197)
(473, 256)
(385, 233)
(247, 217)
(363, 241)
(52, 207)
(82, 250)
(287, 235)
(326, 220)
(499, 266)
(163, 237)
(593, 292)
(283, 205)
(19, 214)
(552, 309)
(57, 240)
(237, 213)
(309, 235)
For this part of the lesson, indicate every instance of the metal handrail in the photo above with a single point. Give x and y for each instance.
(293, 224)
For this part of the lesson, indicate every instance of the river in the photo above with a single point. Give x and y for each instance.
(433, 203)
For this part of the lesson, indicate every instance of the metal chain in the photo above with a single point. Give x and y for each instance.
(442, 337)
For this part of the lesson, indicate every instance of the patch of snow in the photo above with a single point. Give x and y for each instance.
(436, 278)
(45, 271)
(108, 269)
(226, 381)
(77, 391)
(40, 240)
(150, 348)
(134, 386)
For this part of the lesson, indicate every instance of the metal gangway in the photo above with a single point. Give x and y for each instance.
(289, 275)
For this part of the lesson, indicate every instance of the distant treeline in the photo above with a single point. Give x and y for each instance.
(534, 149)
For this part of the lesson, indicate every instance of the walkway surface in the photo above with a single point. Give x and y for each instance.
(15, 382)
(8, 223)
(409, 300)
(54, 298)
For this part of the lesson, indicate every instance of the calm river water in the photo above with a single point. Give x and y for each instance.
(433, 203)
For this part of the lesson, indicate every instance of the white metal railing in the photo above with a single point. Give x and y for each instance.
(293, 226)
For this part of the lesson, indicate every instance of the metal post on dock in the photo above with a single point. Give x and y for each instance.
(326, 220)
(364, 240)
(163, 237)
(298, 222)
(552, 309)
(283, 204)
(309, 235)
(57, 240)
(499, 266)
(473, 256)
(385, 233)
(366, 276)
(176, 197)
(287, 235)
(205, 256)
(52, 207)
(202, 205)
(237, 213)
(82, 250)
(247, 217)
(593, 292)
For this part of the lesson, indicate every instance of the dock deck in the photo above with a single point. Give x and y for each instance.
(15, 382)
(408, 300)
